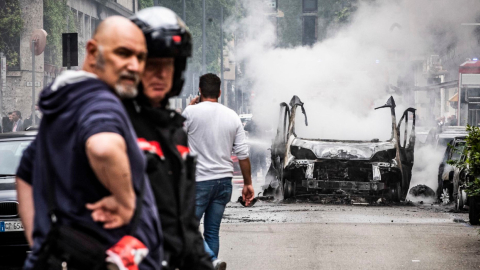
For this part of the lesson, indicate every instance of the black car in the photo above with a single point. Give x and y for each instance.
(12, 145)
(461, 178)
(446, 171)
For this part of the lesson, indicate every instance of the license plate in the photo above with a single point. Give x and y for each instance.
(11, 226)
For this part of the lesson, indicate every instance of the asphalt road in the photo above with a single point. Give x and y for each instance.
(317, 236)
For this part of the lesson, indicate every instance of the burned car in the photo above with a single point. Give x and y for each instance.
(372, 169)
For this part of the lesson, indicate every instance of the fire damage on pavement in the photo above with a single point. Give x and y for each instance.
(345, 171)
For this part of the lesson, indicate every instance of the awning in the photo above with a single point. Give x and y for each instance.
(454, 98)
(449, 84)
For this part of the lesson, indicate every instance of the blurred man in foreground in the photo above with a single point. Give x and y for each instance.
(160, 132)
(86, 153)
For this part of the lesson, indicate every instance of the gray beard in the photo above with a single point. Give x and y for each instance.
(124, 92)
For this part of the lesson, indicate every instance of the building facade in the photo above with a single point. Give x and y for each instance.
(87, 14)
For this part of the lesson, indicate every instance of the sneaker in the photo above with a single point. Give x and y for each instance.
(219, 265)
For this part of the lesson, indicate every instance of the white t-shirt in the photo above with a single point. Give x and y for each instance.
(214, 131)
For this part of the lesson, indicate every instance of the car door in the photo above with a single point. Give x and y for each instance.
(406, 128)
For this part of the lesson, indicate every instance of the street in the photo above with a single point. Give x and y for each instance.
(306, 235)
(316, 236)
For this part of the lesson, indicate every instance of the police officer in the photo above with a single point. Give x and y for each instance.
(170, 168)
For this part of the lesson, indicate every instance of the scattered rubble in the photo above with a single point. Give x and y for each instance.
(422, 190)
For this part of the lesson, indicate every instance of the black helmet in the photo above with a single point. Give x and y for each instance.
(167, 36)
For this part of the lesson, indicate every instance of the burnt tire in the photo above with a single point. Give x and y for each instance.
(288, 189)
(395, 192)
(474, 211)
(459, 200)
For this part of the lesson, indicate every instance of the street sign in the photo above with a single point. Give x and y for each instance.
(37, 84)
(70, 49)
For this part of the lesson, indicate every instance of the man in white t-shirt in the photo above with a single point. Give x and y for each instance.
(214, 131)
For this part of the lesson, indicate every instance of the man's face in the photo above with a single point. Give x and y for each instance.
(157, 79)
(120, 61)
(10, 117)
(15, 117)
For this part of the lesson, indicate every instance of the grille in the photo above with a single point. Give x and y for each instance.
(8, 209)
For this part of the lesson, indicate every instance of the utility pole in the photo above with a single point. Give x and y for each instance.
(33, 82)
(155, 2)
(3, 77)
(184, 17)
(221, 55)
(204, 59)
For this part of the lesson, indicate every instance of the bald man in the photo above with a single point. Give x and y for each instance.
(85, 165)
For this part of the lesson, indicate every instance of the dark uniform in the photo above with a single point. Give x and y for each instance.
(170, 168)
(171, 171)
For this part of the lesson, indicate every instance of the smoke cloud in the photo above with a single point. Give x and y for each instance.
(342, 78)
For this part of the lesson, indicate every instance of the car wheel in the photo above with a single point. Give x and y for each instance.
(459, 200)
(288, 189)
(474, 210)
(396, 192)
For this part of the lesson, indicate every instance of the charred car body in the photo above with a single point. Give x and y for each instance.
(317, 166)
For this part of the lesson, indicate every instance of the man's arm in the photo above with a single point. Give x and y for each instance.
(107, 154)
(26, 208)
(240, 148)
(247, 193)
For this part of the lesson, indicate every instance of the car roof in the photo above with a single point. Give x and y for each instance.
(18, 135)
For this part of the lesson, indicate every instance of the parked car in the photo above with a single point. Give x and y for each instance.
(245, 118)
(12, 145)
(370, 168)
(461, 177)
(446, 171)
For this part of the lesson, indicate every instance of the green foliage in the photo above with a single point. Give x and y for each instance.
(144, 4)
(332, 15)
(290, 26)
(56, 13)
(194, 22)
(472, 161)
(11, 25)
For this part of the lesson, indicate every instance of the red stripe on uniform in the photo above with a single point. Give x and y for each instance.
(152, 147)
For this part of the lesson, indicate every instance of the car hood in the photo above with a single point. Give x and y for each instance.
(8, 190)
(350, 150)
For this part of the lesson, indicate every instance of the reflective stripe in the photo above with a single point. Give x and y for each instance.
(152, 147)
(183, 150)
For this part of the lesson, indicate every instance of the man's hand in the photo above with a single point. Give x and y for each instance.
(247, 194)
(194, 100)
(112, 213)
(107, 154)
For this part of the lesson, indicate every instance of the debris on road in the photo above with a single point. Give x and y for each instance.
(422, 190)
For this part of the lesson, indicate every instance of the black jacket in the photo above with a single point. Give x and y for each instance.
(171, 170)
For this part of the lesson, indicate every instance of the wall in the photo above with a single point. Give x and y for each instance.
(17, 95)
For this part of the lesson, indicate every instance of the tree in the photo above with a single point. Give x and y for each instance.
(55, 15)
(332, 15)
(194, 22)
(145, 3)
(11, 25)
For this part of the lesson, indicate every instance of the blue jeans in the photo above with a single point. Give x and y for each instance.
(211, 198)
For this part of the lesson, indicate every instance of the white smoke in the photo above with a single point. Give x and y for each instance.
(342, 78)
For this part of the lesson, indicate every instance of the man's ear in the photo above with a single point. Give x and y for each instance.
(92, 51)
(219, 94)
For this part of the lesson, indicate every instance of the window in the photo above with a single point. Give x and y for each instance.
(310, 6)
(309, 30)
